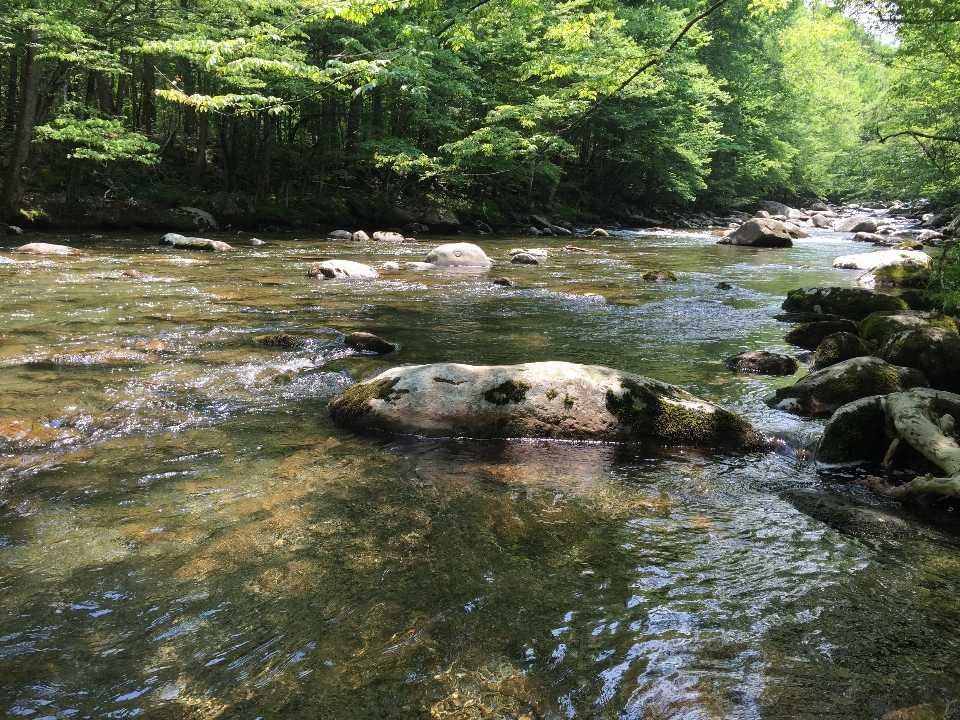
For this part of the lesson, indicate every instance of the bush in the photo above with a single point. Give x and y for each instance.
(943, 288)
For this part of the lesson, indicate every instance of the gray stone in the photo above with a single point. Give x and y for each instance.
(838, 347)
(524, 258)
(932, 350)
(821, 221)
(857, 223)
(340, 235)
(458, 255)
(852, 303)
(193, 243)
(368, 342)
(556, 400)
(13, 230)
(46, 249)
(810, 335)
(762, 362)
(388, 236)
(342, 270)
(759, 232)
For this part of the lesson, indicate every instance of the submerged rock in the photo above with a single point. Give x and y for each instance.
(556, 400)
(760, 232)
(762, 363)
(368, 342)
(658, 276)
(342, 269)
(193, 243)
(503, 282)
(458, 255)
(280, 339)
(524, 258)
(822, 392)
(852, 303)
(46, 249)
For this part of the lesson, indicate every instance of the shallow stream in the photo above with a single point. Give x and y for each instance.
(185, 534)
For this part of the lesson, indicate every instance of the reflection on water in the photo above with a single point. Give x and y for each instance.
(185, 534)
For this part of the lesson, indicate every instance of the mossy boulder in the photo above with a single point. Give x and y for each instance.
(823, 391)
(762, 362)
(281, 340)
(658, 276)
(851, 303)
(857, 433)
(854, 435)
(932, 350)
(810, 335)
(896, 276)
(879, 327)
(556, 400)
(839, 347)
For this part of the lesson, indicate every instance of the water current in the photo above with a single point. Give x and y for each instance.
(185, 534)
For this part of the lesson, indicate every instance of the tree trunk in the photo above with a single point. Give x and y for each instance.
(555, 184)
(10, 120)
(266, 147)
(14, 186)
(353, 122)
(105, 95)
(149, 108)
(528, 202)
(200, 158)
(74, 181)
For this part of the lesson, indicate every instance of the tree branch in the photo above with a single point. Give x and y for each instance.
(451, 23)
(655, 60)
(915, 134)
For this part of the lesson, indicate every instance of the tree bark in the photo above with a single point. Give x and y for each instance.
(11, 115)
(266, 148)
(149, 108)
(11, 194)
(200, 158)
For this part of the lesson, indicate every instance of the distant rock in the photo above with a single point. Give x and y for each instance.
(504, 282)
(340, 235)
(542, 224)
(342, 270)
(599, 232)
(46, 249)
(774, 208)
(388, 236)
(524, 258)
(759, 232)
(858, 223)
(762, 362)
(202, 219)
(13, 230)
(821, 221)
(360, 236)
(883, 258)
(658, 276)
(193, 243)
(458, 255)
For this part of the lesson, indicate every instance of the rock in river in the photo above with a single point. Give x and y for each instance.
(368, 342)
(459, 255)
(852, 303)
(838, 347)
(762, 363)
(342, 269)
(193, 243)
(46, 249)
(858, 223)
(810, 335)
(759, 232)
(884, 258)
(932, 350)
(556, 400)
(822, 392)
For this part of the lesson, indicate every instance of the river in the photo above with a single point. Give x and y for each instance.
(185, 534)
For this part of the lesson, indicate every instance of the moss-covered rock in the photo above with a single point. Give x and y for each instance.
(658, 276)
(281, 340)
(822, 392)
(194, 243)
(879, 327)
(810, 335)
(852, 303)
(855, 434)
(899, 276)
(932, 350)
(541, 400)
(839, 347)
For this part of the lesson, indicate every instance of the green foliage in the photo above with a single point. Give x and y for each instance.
(100, 139)
(943, 288)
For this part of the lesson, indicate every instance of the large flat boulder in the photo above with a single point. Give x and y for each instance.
(884, 258)
(852, 303)
(759, 232)
(822, 392)
(556, 400)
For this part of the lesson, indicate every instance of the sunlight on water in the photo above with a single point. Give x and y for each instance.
(184, 532)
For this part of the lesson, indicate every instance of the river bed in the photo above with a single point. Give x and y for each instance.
(185, 534)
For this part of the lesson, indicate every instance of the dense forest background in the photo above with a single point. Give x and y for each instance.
(294, 111)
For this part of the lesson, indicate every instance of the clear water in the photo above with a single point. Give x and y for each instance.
(185, 534)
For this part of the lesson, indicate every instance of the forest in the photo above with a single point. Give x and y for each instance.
(293, 112)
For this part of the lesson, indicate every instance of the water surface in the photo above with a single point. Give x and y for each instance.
(184, 533)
